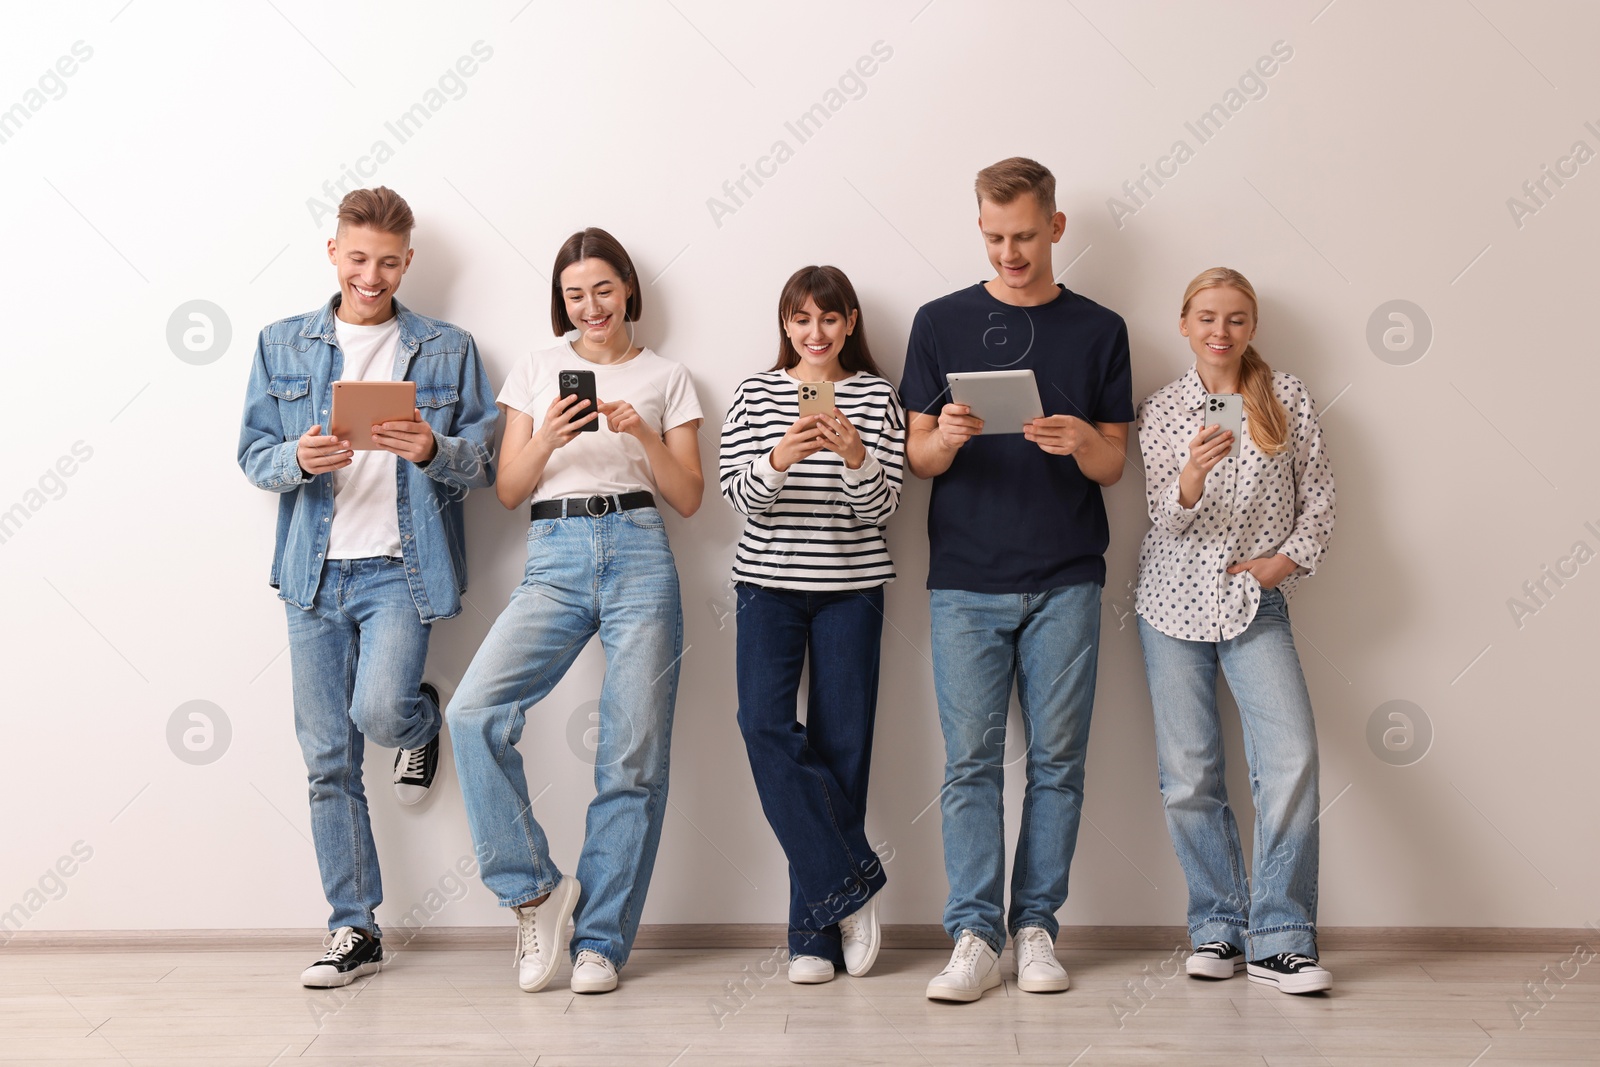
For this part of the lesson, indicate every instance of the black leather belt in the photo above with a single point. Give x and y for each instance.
(592, 506)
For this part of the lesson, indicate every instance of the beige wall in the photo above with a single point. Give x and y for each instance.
(1375, 164)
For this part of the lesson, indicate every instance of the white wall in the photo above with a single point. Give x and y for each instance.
(177, 165)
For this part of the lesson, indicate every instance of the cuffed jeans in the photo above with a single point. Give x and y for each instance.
(613, 575)
(1280, 744)
(1049, 643)
(356, 659)
(812, 778)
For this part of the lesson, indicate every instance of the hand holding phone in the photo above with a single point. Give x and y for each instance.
(580, 383)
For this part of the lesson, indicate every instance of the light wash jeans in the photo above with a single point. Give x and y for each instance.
(613, 575)
(1049, 642)
(1280, 743)
(356, 660)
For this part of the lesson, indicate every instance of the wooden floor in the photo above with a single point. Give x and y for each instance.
(444, 1007)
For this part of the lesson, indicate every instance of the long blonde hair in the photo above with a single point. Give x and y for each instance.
(1268, 422)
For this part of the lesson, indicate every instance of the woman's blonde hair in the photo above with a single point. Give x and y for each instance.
(1268, 422)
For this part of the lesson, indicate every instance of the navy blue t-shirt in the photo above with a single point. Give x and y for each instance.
(1009, 517)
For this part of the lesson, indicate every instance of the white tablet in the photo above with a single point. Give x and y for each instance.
(1003, 399)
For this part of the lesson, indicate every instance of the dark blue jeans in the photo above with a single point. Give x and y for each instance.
(812, 778)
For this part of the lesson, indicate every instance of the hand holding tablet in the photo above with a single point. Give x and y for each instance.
(1004, 400)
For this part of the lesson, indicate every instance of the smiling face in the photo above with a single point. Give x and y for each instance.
(597, 302)
(370, 264)
(817, 337)
(1219, 324)
(1018, 236)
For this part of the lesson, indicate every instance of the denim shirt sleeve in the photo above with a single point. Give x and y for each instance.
(465, 458)
(265, 457)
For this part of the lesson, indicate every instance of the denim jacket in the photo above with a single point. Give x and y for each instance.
(296, 361)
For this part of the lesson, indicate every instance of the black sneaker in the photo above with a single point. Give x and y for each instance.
(1291, 972)
(1214, 959)
(414, 768)
(351, 954)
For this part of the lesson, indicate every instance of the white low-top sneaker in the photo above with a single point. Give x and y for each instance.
(810, 970)
(973, 968)
(1038, 970)
(539, 934)
(860, 936)
(593, 973)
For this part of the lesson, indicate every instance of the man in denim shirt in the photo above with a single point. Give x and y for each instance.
(370, 547)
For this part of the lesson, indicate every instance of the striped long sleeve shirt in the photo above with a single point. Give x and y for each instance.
(819, 524)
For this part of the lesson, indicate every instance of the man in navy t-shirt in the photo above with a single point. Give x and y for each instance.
(1018, 534)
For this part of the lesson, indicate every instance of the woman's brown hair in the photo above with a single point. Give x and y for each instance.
(1268, 422)
(592, 243)
(831, 291)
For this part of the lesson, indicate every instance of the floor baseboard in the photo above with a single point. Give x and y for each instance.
(771, 935)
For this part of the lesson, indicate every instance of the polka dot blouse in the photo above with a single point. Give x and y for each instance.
(1253, 507)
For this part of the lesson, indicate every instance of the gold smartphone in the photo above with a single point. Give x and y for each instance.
(358, 405)
(816, 398)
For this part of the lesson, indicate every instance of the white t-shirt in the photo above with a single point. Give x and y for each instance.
(601, 461)
(366, 505)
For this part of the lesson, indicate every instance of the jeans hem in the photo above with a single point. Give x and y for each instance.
(522, 899)
(994, 940)
(1302, 939)
(1233, 932)
(590, 944)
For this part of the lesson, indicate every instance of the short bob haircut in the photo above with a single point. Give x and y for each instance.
(831, 290)
(592, 243)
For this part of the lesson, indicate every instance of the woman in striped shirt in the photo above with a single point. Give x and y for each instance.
(809, 573)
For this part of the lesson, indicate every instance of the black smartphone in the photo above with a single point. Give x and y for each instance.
(580, 383)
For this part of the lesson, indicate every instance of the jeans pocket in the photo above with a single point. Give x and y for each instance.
(644, 518)
(541, 528)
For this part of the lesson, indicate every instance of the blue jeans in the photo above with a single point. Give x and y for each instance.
(356, 658)
(613, 575)
(1280, 743)
(812, 778)
(1049, 643)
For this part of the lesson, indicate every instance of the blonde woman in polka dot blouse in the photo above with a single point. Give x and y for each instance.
(1230, 540)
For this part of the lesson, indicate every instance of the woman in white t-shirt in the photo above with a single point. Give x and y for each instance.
(598, 562)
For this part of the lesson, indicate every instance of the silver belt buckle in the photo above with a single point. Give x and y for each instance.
(605, 506)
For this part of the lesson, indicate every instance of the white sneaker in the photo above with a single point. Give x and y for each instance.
(973, 968)
(1038, 970)
(861, 937)
(593, 973)
(810, 970)
(539, 934)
